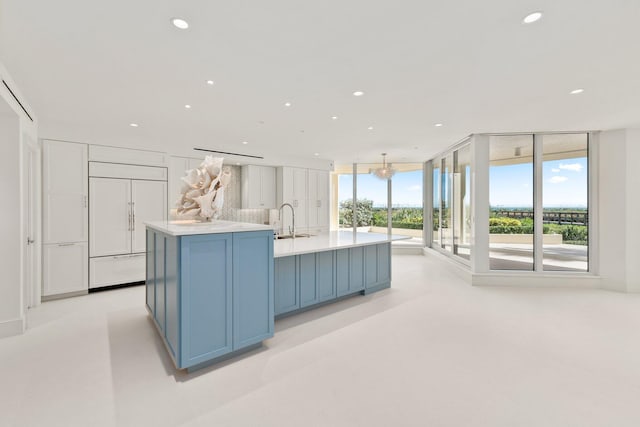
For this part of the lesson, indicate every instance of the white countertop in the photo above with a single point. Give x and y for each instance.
(329, 241)
(186, 227)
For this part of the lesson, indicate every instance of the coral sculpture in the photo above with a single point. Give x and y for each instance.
(203, 190)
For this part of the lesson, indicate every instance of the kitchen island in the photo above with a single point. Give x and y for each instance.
(319, 269)
(209, 288)
(214, 289)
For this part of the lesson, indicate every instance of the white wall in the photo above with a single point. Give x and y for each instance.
(14, 127)
(11, 316)
(618, 210)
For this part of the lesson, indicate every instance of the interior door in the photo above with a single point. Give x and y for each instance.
(148, 201)
(110, 216)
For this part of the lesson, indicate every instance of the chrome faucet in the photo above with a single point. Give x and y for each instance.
(292, 229)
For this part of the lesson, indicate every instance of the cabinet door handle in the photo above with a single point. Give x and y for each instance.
(129, 225)
(318, 203)
(66, 244)
(133, 216)
(84, 201)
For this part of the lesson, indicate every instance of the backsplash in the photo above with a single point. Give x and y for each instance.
(232, 208)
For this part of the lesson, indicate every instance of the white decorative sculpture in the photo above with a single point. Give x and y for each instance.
(203, 190)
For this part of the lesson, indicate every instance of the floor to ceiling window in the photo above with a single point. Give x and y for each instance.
(511, 200)
(565, 188)
(407, 203)
(451, 192)
(539, 179)
(404, 189)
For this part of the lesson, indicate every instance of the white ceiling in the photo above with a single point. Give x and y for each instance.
(89, 68)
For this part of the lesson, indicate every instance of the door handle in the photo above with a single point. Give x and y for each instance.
(30, 241)
(133, 216)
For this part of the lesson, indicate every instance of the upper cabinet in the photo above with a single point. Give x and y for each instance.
(258, 187)
(103, 153)
(65, 191)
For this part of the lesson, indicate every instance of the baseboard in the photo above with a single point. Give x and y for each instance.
(406, 250)
(540, 280)
(13, 327)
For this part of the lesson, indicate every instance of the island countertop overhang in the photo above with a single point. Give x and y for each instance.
(329, 241)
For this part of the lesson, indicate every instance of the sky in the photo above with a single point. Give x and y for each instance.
(406, 189)
(564, 184)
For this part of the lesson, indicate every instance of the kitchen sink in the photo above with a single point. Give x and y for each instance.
(291, 236)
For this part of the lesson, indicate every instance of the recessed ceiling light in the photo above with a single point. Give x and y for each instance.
(180, 23)
(316, 154)
(370, 128)
(245, 142)
(287, 104)
(334, 117)
(133, 125)
(438, 125)
(237, 163)
(532, 17)
(358, 93)
(210, 82)
(576, 91)
(187, 106)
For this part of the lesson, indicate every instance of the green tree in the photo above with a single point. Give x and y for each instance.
(364, 212)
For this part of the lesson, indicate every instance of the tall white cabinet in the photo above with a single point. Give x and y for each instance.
(318, 200)
(65, 218)
(258, 187)
(122, 198)
(307, 190)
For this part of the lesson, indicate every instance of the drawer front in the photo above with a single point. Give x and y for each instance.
(116, 270)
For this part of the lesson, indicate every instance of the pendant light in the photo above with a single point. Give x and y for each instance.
(386, 171)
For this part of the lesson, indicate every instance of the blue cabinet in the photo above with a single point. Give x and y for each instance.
(210, 294)
(286, 292)
(309, 279)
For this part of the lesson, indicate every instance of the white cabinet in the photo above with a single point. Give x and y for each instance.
(318, 199)
(64, 180)
(258, 187)
(110, 216)
(65, 218)
(292, 189)
(118, 208)
(64, 268)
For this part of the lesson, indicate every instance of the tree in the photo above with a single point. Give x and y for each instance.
(364, 212)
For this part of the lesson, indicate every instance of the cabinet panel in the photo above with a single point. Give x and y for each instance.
(116, 270)
(384, 265)
(103, 153)
(318, 198)
(325, 275)
(286, 289)
(64, 268)
(148, 202)
(150, 283)
(292, 188)
(206, 304)
(109, 216)
(115, 170)
(64, 180)
(357, 268)
(159, 262)
(370, 265)
(307, 279)
(252, 287)
(258, 187)
(171, 295)
(342, 272)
